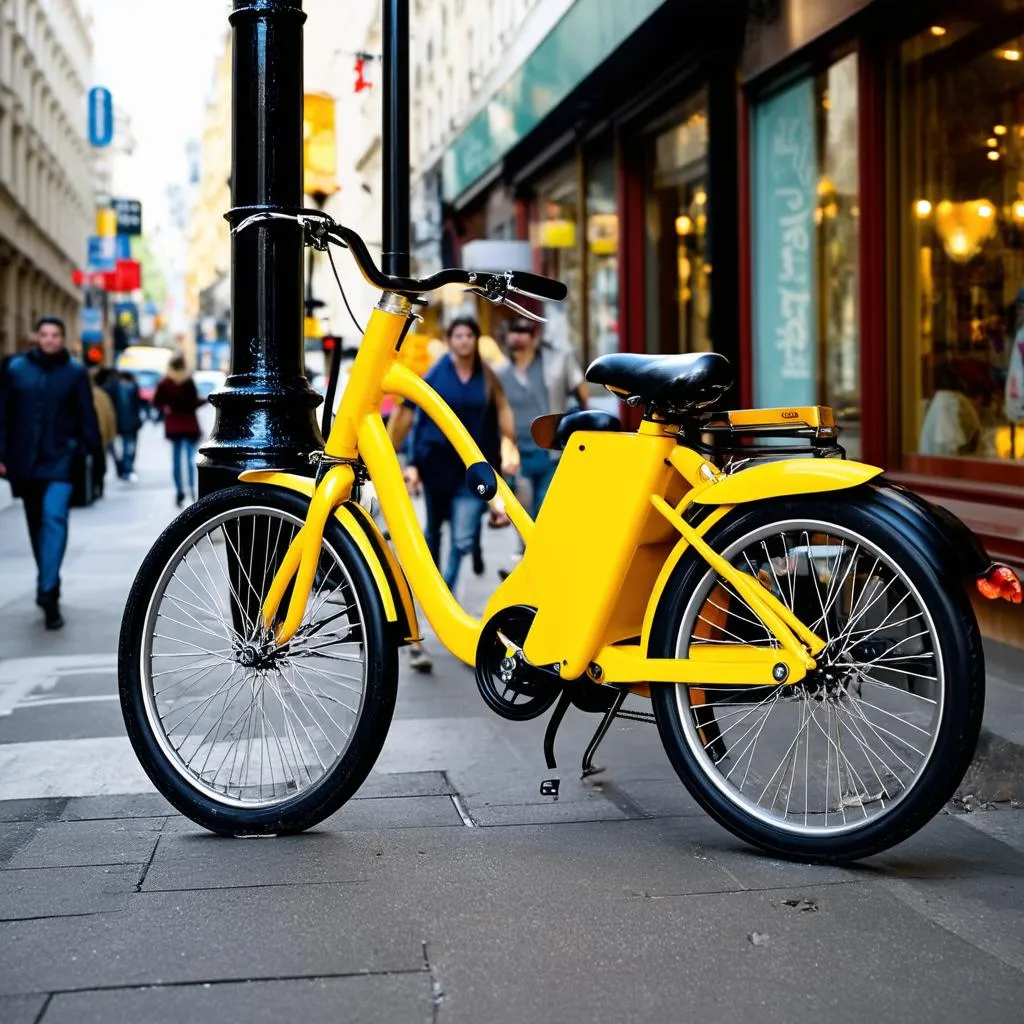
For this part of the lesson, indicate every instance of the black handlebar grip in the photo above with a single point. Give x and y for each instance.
(541, 287)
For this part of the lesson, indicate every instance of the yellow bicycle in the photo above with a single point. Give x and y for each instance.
(800, 625)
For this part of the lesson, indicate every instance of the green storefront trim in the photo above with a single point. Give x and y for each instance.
(588, 33)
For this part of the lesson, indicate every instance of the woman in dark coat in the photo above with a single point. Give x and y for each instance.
(176, 397)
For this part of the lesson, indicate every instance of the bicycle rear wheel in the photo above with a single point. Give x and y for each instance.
(241, 735)
(868, 747)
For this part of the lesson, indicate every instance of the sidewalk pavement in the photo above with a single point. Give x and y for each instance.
(448, 889)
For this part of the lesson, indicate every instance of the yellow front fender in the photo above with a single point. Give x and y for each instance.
(786, 477)
(359, 525)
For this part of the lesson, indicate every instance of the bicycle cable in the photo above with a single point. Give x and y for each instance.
(344, 297)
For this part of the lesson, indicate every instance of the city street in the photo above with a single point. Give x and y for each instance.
(449, 889)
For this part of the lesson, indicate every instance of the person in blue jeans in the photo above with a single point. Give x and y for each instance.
(539, 379)
(177, 399)
(47, 420)
(476, 396)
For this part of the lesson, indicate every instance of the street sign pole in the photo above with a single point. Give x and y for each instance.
(266, 410)
(395, 138)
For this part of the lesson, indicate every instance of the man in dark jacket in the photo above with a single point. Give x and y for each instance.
(47, 418)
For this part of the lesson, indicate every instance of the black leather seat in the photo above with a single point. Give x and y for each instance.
(666, 384)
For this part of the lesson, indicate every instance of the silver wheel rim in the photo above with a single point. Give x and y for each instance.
(242, 722)
(839, 751)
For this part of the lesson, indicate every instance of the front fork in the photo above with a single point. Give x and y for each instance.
(298, 566)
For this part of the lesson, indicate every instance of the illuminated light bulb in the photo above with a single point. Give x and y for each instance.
(700, 198)
(1018, 210)
(1009, 54)
(992, 142)
(985, 210)
(944, 207)
(992, 154)
(999, 129)
(683, 225)
(922, 208)
(958, 244)
(937, 30)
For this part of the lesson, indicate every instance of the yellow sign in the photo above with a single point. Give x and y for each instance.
(319, 149)
(313, 328)
(106, 223)
(558, 234)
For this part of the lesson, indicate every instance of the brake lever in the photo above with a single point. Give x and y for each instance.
(504, 300)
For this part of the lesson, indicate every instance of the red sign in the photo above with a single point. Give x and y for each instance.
(126, 277)
(77, 277)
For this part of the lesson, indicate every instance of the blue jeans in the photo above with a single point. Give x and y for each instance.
(536, 466)
(46, 512)
(128, 444)
(183, 451)
(463, 511)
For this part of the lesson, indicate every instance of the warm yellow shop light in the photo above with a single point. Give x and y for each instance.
(937, 30)
(999, 129)
(922, 208)
(965, 227)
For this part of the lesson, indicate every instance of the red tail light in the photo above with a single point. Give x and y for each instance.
(1000, 581)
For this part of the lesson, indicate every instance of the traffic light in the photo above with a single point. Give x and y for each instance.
(329, 343)
(93, 355)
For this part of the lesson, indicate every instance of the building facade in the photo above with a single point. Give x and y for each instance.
(208, 251)
(46, 200)
(832, 195)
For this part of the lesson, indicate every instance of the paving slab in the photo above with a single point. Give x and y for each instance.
(139, 805)
(21, 1009)
(382, 784)
(13, 837)
(65, 892)
(235, 934)
(648, 855)
(64, 844)
(693, 958)
(369, 999)
(42, 809)
(1006, 826)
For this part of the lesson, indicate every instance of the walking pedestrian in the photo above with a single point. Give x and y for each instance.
(106, 419)
(475, 395)
(129, 421)
(177, 399)
(538, 380)
(47, 418)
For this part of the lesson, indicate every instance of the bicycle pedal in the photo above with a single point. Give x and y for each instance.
(549, 787)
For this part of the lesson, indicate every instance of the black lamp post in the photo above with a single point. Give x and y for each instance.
(395, 138)
(266, 410)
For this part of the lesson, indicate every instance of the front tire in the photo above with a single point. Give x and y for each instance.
(868, 748)
(243, 737)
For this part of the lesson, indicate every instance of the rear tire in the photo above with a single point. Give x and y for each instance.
(242, 737)
(877, 739)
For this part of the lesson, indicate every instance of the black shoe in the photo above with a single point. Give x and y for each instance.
(503, 574)
(54, 619)
(179, 500)
(478, 562)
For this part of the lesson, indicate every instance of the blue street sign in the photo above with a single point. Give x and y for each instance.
(92, 324)
(123, 247)
(101, 116)
(102, 252)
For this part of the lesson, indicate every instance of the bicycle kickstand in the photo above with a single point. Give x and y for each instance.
(599, 735)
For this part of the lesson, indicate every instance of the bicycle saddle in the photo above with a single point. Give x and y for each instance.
(665, 383)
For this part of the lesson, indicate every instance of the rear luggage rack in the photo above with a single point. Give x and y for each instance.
(729, 439)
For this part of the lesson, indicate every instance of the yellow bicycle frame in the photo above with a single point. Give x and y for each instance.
(612, 528)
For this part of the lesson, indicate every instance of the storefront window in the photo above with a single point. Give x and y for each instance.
(962, 243)
(553, 234)
(679, 278)
(602, 254)
(806, 328)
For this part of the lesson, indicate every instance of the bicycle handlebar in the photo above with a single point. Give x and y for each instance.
(321, 229)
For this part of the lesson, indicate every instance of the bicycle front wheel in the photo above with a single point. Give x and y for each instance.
(864, 750)
(240, 735)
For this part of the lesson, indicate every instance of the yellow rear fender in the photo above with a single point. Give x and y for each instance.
(359, 525)
(786, 477)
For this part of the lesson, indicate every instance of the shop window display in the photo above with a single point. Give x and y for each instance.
(961, 164)
(805, 246)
